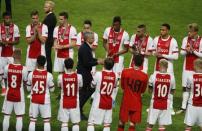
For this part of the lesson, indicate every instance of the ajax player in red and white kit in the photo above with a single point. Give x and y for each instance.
(166, 48)
(36, 35)
(104, 83)
(191, 50)
(40, 83)
(141, 43)
(134, 84)
(194, 87)
(161, 84)
(69, 82)
(80, 39)
(15, 76)
(65, 36)
(116, 43)
(9, 36)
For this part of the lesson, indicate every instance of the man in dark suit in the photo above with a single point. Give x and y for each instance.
(84, 67)
(50, 20)
(8, 6)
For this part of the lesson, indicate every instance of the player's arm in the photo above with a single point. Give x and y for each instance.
(94, 81)
(184, 49)
(199, 54)
(29, 82)
(95, 43)
(150, 48)
(105, 42)
(173, 84)
(59, 81)
(42, 34)
(80, 78)
(16, 36)
(73, 37)
(25, 76)
(5, 76)
(125, 46)
(150, 85)
(30, 38)
(50, 82)
(174, 55)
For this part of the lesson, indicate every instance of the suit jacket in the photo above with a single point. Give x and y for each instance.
(85, 63)
(50, 20)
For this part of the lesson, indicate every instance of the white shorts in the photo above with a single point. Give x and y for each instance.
(163, 117)
(118, 67)
(44, 110)
(193, 116)
(18, 107)
(185, 75)
(59, 63)
(5, 61)
(99, 116)
(65, 114)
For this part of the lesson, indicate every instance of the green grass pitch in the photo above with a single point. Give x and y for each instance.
(178, 13)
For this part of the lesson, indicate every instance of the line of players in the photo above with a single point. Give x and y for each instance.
(133, 83)
(115, 41)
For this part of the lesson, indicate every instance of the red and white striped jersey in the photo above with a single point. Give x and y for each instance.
(8, 33)
(146, 46)
(169, 50)
(64, 36)
(194, 82)
(189, 58)
(36, 48)
(162, 84)
(15, 75)
(70, 83)
(104, 83)
(116, 41)
(40, 82)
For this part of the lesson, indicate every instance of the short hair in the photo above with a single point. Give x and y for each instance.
(198, 64)
(51, 3)
(163, 63)
(69, 63)
(117, 19)
(138, 60)
(6, 14)
(141, 26)
(87, 35)
(194, 26)
(65, 14)
(108, 63)
(34, 12)
(88, 22)
(41, 60)
(17, 53)
(166, 25)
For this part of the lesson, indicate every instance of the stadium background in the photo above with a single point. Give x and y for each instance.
(178, 13)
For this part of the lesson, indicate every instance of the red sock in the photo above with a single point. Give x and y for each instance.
(131, 128)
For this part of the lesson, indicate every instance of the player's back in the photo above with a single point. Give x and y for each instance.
(105, 82)
(133, 83)
(39, 87)
(70, 88)
(15, 76)
(195, 81)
